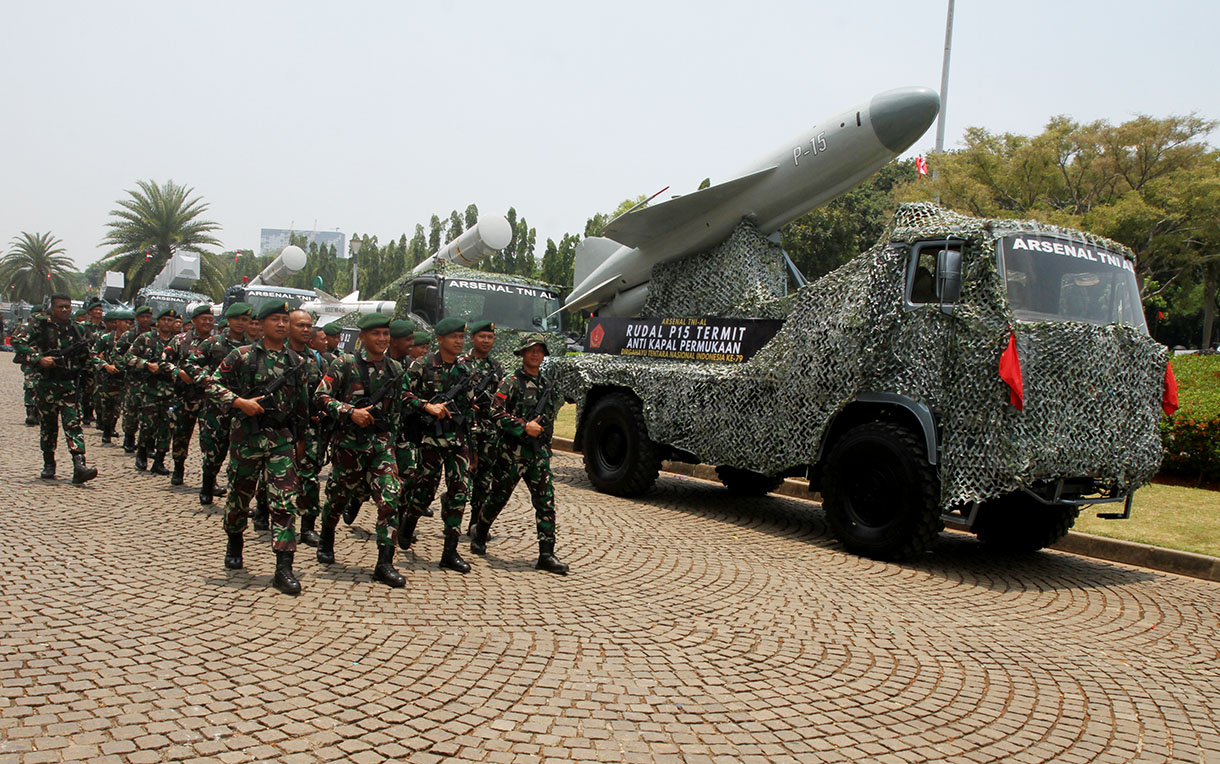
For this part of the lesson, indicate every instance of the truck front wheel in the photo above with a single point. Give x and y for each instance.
(880, 494)
(1018, 523)
(619, 458)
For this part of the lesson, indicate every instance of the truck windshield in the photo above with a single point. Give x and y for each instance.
(511, 306)
(1054, 279)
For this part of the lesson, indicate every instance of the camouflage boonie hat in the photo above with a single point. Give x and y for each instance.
(529, 340)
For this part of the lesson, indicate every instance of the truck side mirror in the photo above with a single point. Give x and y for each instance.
(430, 302)
(949, 276)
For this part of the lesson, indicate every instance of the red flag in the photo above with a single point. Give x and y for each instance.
(1169, 403)
(1010, 372)
(1160, 316)
(921, 165)
(147, 256)
(236, 256)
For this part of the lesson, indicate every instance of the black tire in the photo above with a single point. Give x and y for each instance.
(619, 458)
(1020, 524)
(746, 483)
(880, 494)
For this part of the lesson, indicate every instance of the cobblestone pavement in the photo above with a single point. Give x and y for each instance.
(694, 628)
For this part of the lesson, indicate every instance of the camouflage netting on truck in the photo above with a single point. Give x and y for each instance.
(1092, 393)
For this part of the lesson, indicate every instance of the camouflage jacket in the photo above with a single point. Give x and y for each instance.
(103, 353)
(41, 336)
(520, 399)
(352, 377)
(178, 353)
(207, 354)
(430, 378)
(246, 372)
(123, 343)
(485, 389)
(150, 348)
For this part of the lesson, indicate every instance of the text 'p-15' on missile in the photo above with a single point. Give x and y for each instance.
(829, 159)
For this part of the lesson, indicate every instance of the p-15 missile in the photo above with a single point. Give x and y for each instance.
(328, 307)
(827, 160)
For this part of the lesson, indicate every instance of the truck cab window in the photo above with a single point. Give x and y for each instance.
(925, 283)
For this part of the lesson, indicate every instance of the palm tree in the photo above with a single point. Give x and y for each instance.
(156, 222)
(35, 267)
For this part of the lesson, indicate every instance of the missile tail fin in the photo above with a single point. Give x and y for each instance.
(590, 253)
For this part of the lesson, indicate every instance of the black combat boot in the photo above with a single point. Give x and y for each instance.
(262, 513)
(142, 458)
(284, 579)
(106, 436)
(48, 465)
(406, 530)
(207, 486)
(308, 534)
(547, 560)
(353, 509)
(129, 442)
(31, 416)
(326, 546)
(450, 558)
(385, 572)
(158, 465)
(81, 473)
(219, 491)
(179, 468)
(233, 559)
(478, 538)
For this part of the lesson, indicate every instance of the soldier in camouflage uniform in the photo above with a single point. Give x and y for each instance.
(439, 388)
(332, 332)
(28, 371)
(58, 349)
(525, 412)
(264, 383)
(214, 419)
(131, 394)
(300, 333)
(363, 393)
(109, 372)
(149, 367)
(485, 446)
(188, 387)
(92, 324)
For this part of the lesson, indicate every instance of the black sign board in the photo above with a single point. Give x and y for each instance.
(347, 339)
(710, 340)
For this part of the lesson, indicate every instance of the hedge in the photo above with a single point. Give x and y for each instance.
(1192, 435)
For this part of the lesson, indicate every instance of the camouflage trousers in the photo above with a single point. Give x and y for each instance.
(354, 473)
(186, 413)
(107, 400)
(308, 469)
(87, 389)
(456, 466)
(535, 469)
(154, 419)
(27, 387)
(131, 407)
(56, 400)
(269, 453)
(486, 452)
(214, 424)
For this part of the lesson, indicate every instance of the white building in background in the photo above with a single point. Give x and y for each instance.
(272, 240)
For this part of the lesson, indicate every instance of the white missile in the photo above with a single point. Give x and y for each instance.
(328, 307)
(827, 160)
(291, 260)
(488, 235)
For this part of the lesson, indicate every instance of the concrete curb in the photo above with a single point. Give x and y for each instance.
(1127, 552)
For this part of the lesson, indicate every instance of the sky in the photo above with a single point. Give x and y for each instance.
(369, 117)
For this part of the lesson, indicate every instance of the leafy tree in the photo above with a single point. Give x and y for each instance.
(455, 226)
(35, 267)
(154, 223)
(436, 230)
(472, 216)
(417, 250)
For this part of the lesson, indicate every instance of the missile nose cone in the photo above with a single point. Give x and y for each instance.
(899, 117)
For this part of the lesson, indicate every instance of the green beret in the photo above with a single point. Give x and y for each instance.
(373, 321)
(125, 314)
(422, 338)
(402, 327)
(271, 308)
(38, 309)
(332, 329)
(109, 315)
(143, 309)
(239, 309)
(449, 326)
(79, 312)
(529, 340)
(170, 312)
(482, 326)
(199, 310)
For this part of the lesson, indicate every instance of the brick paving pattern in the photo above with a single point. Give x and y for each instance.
(695, 627)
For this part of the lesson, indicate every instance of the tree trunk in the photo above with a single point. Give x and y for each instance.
(1209, 303)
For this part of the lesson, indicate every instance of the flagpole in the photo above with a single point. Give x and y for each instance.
(944, 83)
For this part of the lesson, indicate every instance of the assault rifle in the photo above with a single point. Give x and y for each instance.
(268, 389)
(544, 401)
(455, 418)
(63, 356)
(380, 423)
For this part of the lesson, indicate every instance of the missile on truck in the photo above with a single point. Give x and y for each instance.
(173, 286)
(996, 375)
(268, 285)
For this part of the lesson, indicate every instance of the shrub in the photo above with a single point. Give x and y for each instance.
(1192, 435)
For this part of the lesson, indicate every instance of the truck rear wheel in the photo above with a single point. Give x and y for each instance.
(1018, 523)
(619, 458)
(746, 483)
(880, 494)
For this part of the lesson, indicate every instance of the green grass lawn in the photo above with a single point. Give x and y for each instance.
(1163, 515)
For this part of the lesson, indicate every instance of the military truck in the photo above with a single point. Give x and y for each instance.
(994, 374)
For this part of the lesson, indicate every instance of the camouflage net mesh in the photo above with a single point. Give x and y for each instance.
(1092, 393)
